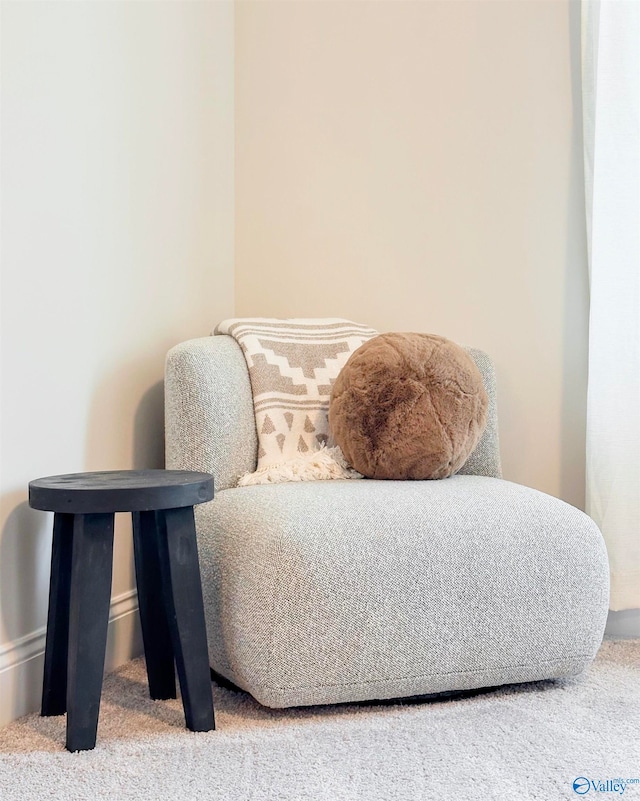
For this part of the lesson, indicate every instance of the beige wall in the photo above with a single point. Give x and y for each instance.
(117, 243)
(417, 166)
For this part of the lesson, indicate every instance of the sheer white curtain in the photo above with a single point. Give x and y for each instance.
(611, 97)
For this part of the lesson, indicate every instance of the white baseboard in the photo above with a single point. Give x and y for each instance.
(623, 625)
(22, 661)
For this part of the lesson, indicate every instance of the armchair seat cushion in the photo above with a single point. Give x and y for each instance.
(325, 592)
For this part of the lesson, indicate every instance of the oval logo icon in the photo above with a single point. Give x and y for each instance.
(581, 785)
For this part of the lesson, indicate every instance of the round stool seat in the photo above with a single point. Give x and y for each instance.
(120, 491)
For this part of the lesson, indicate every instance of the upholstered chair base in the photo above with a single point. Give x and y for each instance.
(326, 592)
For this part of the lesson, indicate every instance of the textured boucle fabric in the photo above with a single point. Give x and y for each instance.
(342, 591)
(210, 423)
(485, 458)
(408, 406)
(209, 420)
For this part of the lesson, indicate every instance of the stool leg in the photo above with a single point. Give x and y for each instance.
(156, 636)
(183, 601)
(54, 685)
(91, 569)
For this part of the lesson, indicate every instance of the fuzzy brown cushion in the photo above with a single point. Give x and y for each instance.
(408, 406)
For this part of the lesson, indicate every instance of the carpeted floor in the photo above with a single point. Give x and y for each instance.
(519, 742)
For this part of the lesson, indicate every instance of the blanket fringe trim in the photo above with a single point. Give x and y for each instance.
(320, 465)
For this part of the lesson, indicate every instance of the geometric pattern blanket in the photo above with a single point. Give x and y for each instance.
(292, 366)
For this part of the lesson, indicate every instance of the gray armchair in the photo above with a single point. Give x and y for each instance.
(329, 591)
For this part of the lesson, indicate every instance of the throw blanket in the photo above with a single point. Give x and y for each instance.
(292, 366)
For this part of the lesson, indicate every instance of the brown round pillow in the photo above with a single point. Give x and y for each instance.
(408, 406)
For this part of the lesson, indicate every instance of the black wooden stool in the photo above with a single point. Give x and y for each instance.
(169, 590)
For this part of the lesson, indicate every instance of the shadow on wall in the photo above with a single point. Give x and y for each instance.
(126, 430)
(576, 299)
(126, 421)
(148, 429)
(25, 556)
(121, 433)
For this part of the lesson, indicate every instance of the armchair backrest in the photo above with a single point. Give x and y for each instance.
(210, 423)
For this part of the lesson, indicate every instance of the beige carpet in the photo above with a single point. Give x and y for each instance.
(519, 742)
